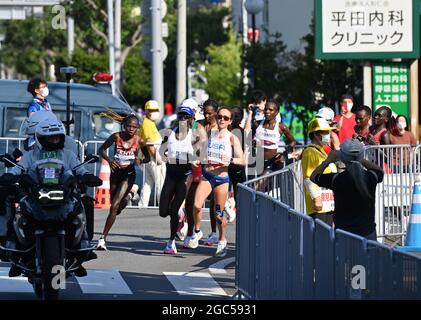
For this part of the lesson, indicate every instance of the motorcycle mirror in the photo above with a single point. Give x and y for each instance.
(17, 153)
(8, 160)
(91, 158)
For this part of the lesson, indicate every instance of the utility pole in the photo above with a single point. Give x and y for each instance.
(181, 51)
(70, 37)
(111, 48)
(157, 64)
(118, 44)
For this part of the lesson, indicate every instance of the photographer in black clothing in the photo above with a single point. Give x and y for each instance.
(354, 189)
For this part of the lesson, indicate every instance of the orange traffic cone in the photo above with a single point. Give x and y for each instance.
(102, 193)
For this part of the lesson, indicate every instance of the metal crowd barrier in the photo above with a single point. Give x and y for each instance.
(284, 254)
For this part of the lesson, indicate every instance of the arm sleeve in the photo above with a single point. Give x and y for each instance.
(325, 180)
(378, 173)
(32, 108)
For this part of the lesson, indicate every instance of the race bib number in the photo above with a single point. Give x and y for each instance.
(328, 201)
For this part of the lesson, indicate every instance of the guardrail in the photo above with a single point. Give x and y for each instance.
(283, 254)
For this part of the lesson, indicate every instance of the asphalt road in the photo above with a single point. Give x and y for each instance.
(135, 267)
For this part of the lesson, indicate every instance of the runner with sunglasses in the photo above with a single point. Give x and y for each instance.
(223, 148)
(203, 130)
(178, 148)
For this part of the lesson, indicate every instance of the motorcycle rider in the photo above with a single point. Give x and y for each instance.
(49, 137)
(29, 126)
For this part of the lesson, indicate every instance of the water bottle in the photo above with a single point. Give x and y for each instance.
(219, 213)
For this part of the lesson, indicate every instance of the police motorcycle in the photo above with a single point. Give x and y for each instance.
(47, 239)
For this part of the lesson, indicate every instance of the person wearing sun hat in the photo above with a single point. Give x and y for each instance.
(155, 169)
(328, 114)
(312, 157)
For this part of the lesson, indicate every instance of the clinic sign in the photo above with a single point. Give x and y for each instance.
(367, 29)
(391, 87)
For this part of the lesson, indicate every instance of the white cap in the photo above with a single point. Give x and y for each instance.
(190, 103)
(326, 113)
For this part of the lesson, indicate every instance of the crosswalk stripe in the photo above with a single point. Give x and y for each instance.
(219, 267)
(103, 282)
(195, 283)
(18, 284)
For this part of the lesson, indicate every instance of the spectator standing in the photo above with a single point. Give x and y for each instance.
(402, 160)
(346, 121)
(328, 114)
(362, 127)
(354, 189)
(311, 158)
(256, 109)
(39, 90)
(155, 169)
(384, 125)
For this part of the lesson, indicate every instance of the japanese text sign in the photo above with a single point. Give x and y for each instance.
(391, 87)
(367, 29)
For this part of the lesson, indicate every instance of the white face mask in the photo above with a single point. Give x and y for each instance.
(326, 139)
(45, 92)
(401, 125)
(154, 116)
(109, 126)
(349, 106)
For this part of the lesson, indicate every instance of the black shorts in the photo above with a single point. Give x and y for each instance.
(178, 172)
(121, 175)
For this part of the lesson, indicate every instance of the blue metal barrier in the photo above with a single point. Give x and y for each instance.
(324, 261)
(283, 254)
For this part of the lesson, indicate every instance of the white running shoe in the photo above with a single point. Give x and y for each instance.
(170, 248)
(221, 251)
(194, 241)
(101, 245)
(186, 242)
(212, 238)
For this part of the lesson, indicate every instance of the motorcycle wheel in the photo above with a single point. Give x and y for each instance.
(51, 258)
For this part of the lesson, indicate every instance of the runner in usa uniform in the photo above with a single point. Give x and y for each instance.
(223, 148)
(127, 145)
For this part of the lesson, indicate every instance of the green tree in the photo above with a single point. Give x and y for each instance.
(223, 71)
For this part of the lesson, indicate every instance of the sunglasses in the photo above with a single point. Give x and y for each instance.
(225, 118)
(183, 116)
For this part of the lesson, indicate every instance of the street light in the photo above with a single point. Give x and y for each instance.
(253, 7)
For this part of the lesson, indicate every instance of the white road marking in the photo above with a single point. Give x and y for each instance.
(18, 284)
(219, 267)
(195, 283)
(103, 282)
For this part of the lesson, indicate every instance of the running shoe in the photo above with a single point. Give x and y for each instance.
(212, 239)
(101, 245)
(221, 250)
(194, 241)
(182, 232)
(186, 242)
(170, 248)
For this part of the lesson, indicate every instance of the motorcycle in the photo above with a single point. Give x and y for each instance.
(47, 231)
